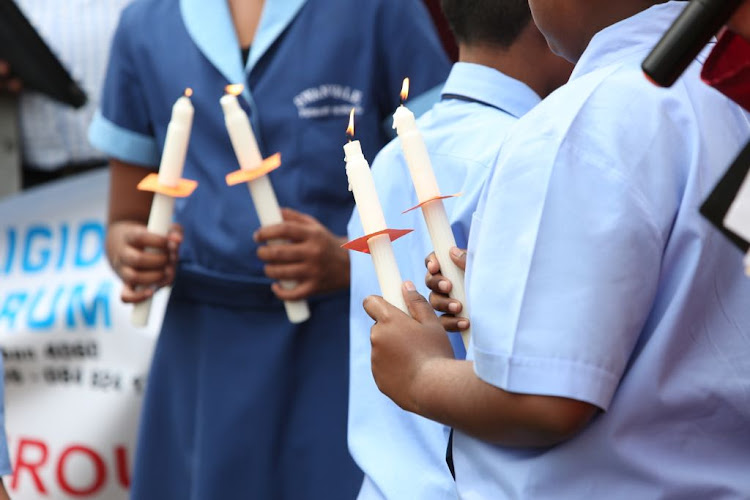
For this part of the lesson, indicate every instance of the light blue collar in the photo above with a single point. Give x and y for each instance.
(209, 24)
(487, 85)
(638, 33)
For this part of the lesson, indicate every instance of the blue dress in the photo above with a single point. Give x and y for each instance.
(240, 403)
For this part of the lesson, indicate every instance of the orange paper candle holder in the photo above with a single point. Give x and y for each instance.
(268, 165)
(360, 244)
(183, 189)
(443, 197)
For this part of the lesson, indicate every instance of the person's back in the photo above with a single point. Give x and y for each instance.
(621, 296)
(401, 454)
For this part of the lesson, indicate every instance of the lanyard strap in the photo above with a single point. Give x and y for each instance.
(464, 98)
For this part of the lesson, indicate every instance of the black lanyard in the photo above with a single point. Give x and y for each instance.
(464, 98)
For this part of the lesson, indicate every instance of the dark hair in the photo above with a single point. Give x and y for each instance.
(497, 22)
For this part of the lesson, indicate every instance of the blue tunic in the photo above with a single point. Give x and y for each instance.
(592, 276)
(240, 403)
(403, 454)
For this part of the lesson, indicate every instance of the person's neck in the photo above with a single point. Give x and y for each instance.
(613, 13)
(527, 60)
(246, 17)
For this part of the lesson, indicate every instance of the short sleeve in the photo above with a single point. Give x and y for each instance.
(121, 127)
(564, 264)
(409, 47)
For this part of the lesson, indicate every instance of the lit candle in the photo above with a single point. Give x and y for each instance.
(362, 185)
(428, 194)
(170, 172)
(264, 198)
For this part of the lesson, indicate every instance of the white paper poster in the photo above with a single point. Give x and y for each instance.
(75, 368)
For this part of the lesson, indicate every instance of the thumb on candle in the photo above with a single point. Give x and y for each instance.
(419, 308)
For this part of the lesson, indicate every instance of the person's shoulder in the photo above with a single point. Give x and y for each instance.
(142, 13)
(614, 99)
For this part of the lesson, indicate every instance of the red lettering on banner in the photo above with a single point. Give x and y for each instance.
(99, 478)
(23, 462)
(34, 458)
(121, 461)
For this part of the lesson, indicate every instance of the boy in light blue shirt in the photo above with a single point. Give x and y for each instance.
(610, 355)
(492, 85)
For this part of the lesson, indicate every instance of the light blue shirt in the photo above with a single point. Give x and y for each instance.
(403, 455)
(79, 32)
(592, 276)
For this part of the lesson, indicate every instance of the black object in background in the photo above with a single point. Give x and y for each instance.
(721, 198)
(687, 36)
(32, 60)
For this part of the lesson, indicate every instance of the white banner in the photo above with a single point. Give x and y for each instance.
(75, 368)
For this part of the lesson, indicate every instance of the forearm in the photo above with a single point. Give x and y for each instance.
(343, 274)
(448, 391)
(126, 201)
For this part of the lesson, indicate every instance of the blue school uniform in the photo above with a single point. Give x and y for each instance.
(592, 276)
(241, 403)
(403, 454)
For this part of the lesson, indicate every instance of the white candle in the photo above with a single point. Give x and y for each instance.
(435, 216)
(170, 172)
(264, 198)
(370, 212)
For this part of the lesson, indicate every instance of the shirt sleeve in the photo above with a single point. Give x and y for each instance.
(564, 262)
(121, 128)
(409, 47)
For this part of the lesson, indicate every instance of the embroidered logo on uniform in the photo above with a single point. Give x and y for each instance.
(328, 100)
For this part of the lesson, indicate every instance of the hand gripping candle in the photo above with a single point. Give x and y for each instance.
(264, 198)
(430, 200)
(168, 184)
(370, 212)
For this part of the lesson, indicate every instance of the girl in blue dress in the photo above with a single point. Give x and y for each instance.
(241, 403)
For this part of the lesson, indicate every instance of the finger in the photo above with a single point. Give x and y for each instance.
(135, 278)
(444, 304)
(432, 264)
(132, 295)
(418, 306)
(283, 253)
(302, 291)
(174, 236)
(141, 260)
(437, 283)
(452, 323)
(169, 274)
(291, 272)
(289, 214)
(458, 256)
(139, 237)
(4, 68)
(291, 230)
(376, 307)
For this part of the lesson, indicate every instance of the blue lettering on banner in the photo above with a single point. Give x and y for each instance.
(82, 305)
(41, 247)
(33, 262)
(96, 246)
(11, 246)
(89, 312)
(12, 306)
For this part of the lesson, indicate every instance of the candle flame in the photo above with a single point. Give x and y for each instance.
(405, 90)
(350, 128)
(234, 89)
(188, 92)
